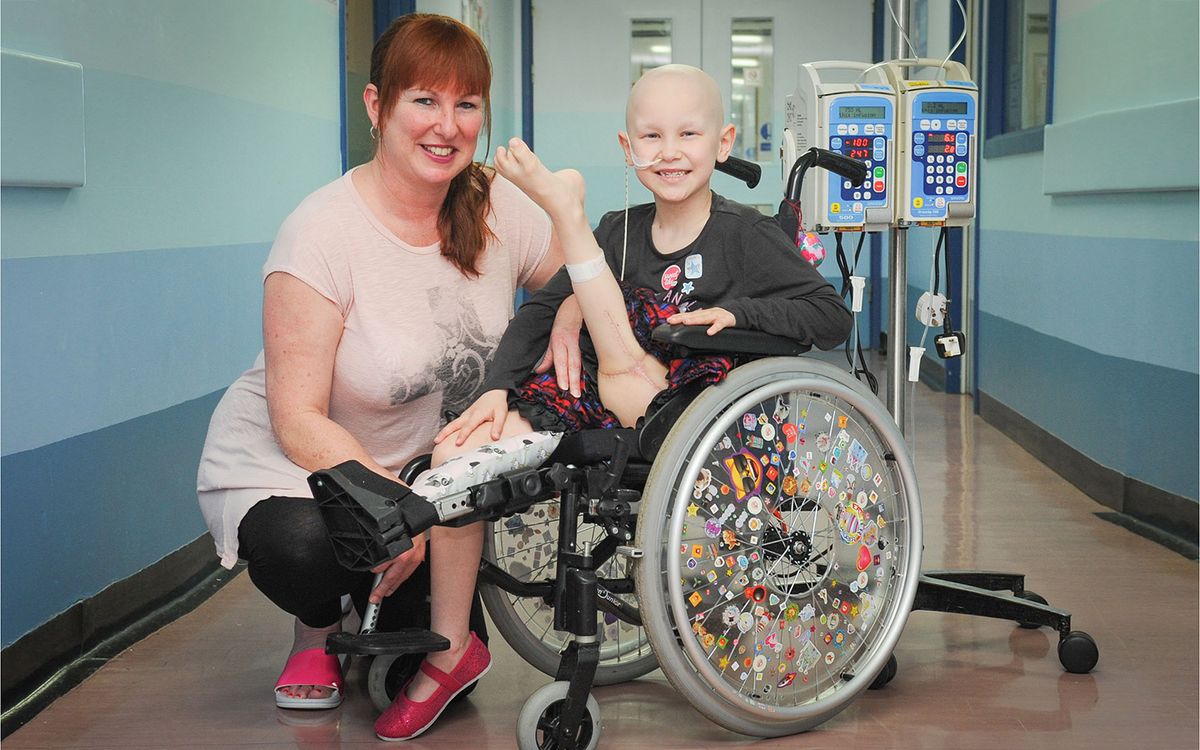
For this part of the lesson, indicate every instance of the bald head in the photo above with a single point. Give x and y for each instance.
(679, 87)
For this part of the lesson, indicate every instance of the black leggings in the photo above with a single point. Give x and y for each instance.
(291, 561)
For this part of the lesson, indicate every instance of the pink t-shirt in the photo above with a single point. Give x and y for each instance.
(417, 336)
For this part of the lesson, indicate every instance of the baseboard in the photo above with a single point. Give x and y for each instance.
(49, 660)
(1153, 533)
(1167, 512)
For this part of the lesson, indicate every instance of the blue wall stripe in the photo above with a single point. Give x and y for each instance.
(1137, 418)
(82, 513)
(86, 340)
(1113, 295)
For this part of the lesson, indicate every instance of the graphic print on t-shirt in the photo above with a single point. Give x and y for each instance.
(457, 370)
(678, 291)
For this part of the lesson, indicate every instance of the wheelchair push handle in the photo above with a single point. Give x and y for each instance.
(746, 171)
(852, 169)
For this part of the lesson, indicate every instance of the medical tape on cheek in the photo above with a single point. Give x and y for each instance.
(587, 270)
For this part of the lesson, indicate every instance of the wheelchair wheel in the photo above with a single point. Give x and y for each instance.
(781, 534)
(525, 546)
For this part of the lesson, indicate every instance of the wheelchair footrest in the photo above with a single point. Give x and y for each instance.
(411, 641)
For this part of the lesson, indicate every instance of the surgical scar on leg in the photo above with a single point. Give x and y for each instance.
(636, 355)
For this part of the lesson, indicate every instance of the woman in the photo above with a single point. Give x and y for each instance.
(384, 295)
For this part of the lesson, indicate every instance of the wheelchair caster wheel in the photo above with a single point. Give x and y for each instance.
(886, 674)
(540, 716)
(1078, 652)
(1030, 596)
(388, 674)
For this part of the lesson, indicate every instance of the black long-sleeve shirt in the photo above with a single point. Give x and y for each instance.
(740, 261)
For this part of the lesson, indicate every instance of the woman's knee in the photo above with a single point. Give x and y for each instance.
(286, 533)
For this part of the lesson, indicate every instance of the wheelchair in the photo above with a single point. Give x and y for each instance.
(759, 540)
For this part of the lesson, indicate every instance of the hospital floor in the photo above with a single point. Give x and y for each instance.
(205, 680)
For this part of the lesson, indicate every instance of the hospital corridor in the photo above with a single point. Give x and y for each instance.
(313, 436)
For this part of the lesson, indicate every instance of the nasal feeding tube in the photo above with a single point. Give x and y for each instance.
(625, 231)
(640, 165)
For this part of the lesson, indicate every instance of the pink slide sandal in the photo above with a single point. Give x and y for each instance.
(311, 667)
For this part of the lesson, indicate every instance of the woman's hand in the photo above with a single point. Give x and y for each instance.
(397, 570)
(563, 351)
(490, 407)
(716, 318)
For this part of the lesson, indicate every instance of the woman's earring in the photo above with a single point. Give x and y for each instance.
(374, 131)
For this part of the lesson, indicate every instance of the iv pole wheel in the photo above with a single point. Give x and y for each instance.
(540, 715)
(1077, 652)
(1030, 596)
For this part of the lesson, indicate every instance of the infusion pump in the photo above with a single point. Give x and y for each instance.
(936, 130)
(855, 119)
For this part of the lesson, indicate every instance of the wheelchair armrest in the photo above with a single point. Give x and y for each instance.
(728, 341)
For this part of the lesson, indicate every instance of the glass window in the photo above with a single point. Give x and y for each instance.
(650, 46)
(1026, 62)
(751, 89)
(918, 28)
(1020, 75)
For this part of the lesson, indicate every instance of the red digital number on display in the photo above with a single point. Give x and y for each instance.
(859, 142)
(859, 153)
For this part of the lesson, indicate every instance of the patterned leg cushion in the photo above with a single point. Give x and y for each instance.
(459, 474)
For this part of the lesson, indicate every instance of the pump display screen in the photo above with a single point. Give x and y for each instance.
(939, 143)
(861, 113)
(944, 108)
(857, 148)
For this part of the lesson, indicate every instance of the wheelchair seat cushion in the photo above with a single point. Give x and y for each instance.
(547, 407)
(461, 473)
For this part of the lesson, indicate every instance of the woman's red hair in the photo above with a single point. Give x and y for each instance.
(422, 50)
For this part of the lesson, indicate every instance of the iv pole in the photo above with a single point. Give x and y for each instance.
(898, 273)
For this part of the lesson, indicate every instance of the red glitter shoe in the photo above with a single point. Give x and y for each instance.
(407, 718)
